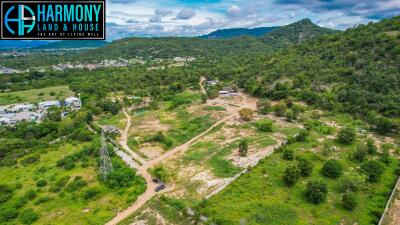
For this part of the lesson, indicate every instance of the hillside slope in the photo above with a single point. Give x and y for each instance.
(237, 32)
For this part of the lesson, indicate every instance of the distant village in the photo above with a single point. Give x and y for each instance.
(10, 115)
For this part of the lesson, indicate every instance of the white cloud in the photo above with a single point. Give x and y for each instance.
(185, 14)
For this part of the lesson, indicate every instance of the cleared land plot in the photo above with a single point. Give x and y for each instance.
(36, 95)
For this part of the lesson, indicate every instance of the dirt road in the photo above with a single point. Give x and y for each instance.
(203, 90)
(143, 169)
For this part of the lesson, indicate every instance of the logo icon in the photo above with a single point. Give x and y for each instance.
(23, 22)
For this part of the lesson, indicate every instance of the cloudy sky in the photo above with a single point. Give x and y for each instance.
(197, 17)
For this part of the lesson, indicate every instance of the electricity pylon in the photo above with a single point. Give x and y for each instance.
(105, 161)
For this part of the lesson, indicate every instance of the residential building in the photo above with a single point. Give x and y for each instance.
(48, 104)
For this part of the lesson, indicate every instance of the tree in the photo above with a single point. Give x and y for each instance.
(66, 126)
(316, 191)
(332, 169)
(243, 148)
(373, 169)
(302, 135)
(347, 135)
(383, 125)
(5, 193)
(292, 175)
(246, 114)
(349, 201)
(28, 216)
(288, 154)
(305, 167)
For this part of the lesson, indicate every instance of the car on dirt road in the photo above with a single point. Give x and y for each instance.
(160, 187)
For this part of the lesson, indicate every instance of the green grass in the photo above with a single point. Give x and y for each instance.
(254, 195)
(67, 207)
(35, 95)
(115, 120)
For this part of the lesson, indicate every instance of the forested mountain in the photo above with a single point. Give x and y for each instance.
(237, 32)
(11, 44)
(298, 32)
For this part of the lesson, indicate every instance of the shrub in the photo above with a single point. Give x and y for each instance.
(41, 183)
(28, 216)
(42, 200)
(264, 106)
(31, 194)
(67, 163)
(120, 177)
(280, 109)
(246, 114)
(292, 175)
(360, 153)
(90, 193)
(76, 184)
(385, 157)
(7, 213)
(332, 169)
(264, 125)
(347, 135)
(243, 148)
(160, 173)
(349, 201)
(302, 136)
(288, 154)
(352, 183)
(371, 147)
(316, 192)
(373, 169)
(305, 167)
(30, 159)
(5, 193)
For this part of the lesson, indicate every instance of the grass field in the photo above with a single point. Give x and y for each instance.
(35, 95)
(70, 205)
(261, 197)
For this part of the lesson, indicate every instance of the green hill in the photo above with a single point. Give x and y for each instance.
(237, 32)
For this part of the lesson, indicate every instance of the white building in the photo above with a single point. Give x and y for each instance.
(20, 108)
(48, 104)
(73, 102)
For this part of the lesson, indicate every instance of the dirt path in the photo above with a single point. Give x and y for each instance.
(203, 90)
(143, 169)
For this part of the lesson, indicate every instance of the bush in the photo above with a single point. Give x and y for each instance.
(352, 183)
(360, 153)
(373, 169)
(264, 125)
(332, 169)
(28, 216)
(316, 192)
(292, 175)
(120, 177)
(90, 193)
(243, 148)
(302, 136)
(7, 213)
(76, 184)
(305, 167)
(349, 201)
(31, 194)
(160, 173)
(5, 193)
(246, 114)
(347, 135)
(288, 154)
(371, 147)
(385, 157)
(280, 109)
(42, 200)
(30, 159)
(264, 106)
(41, 183)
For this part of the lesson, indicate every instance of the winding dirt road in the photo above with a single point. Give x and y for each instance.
(143, 169)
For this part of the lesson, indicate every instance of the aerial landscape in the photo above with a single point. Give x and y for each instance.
(221, 117)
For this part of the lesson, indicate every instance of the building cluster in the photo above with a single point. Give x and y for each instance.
(11, 115)
(92, 66)
(227, 92)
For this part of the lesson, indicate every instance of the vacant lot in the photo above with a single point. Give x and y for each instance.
(35, 95)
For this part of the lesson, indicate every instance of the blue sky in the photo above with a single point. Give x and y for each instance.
(195, 17)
